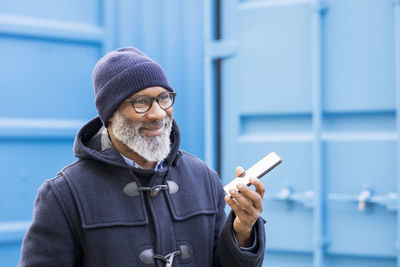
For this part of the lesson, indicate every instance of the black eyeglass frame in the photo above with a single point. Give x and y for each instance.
(152, 99)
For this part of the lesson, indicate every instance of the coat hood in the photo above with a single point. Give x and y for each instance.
(92, 142)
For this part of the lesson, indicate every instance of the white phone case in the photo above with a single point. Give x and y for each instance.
(258, 170)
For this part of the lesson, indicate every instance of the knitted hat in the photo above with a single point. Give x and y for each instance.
(120, 74)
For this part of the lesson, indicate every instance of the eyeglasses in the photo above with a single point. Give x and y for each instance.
(141, 104)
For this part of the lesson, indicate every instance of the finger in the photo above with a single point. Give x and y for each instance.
(243, 208)
(239, 171)
(245, 213)
(260, 187)
(238, 210)
(242, 200)
(253, 196)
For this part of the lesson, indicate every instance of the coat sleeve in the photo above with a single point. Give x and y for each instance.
(227, 251)
(49, 240)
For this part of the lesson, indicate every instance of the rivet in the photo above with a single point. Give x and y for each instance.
(154, 191)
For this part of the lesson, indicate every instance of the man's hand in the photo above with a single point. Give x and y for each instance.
(247, 205)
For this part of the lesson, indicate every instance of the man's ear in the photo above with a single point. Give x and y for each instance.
(109, 130)
(110, 120)
(109, 124)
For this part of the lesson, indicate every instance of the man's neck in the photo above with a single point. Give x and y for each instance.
(129, 153)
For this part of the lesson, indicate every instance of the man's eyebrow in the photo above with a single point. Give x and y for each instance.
(166, 91)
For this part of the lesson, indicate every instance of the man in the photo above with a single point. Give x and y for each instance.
(133, 198)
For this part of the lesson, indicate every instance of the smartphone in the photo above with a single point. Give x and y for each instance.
(258, 170)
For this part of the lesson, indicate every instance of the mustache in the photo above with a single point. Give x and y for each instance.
(153, 124)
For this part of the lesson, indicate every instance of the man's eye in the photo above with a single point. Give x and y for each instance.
(163, 97)
(142, 101)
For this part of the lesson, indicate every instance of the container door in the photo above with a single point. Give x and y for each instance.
(316, 83)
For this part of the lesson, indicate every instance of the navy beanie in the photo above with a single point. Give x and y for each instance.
(120, 74)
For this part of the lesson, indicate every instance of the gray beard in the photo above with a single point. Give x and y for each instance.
(152, 148)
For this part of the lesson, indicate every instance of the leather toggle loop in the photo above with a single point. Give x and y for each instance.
(132, 189)
(186, 252)
(147, 256)
(172, 187)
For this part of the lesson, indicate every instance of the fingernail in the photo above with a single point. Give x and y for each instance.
(240, 185)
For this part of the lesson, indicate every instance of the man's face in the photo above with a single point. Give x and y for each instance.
(146, 134)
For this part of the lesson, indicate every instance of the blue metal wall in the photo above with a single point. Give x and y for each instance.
(318, 83)
(47, 52)
(46, 58)
(171, 32)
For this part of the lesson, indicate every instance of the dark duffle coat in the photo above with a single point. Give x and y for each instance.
(85, 216)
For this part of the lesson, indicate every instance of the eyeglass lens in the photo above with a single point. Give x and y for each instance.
(144, 103)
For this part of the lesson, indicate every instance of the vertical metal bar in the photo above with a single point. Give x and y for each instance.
(126, 20)
(218, 81)
(192, 47)
(317, 161)
(218, 107)
(396, 8)
(137, 25)
(209, 120)
(109, 26)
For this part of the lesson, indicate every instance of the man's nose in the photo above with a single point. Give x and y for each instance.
(156, 112)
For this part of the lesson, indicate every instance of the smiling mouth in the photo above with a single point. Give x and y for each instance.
(153, 128)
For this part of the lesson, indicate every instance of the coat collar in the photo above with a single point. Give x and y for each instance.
(92, 142)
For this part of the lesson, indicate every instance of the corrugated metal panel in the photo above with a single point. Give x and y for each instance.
(319, 86)
(47, 55)
(48, 50)
(317, 83)
(171, 32)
